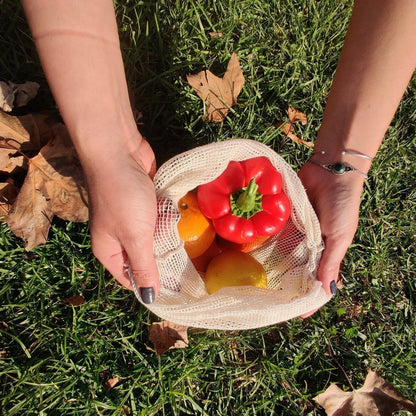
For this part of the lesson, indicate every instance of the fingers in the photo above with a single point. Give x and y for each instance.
(143, 270)
(138, 256)
(110, 254)
(328, 270)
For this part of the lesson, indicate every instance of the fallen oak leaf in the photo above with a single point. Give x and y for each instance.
(25, 134)
(166, 335)
(15, 163)
(54, 185)
(377, 397)
(219, 94)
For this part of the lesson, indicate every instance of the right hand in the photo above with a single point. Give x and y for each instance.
(123, 215)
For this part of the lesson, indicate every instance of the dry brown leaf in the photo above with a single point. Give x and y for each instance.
(296, 115)
(111, 382)
(23, 134)
(287, 129)
(377, 397)
(76, 300)
(16, 95)
(108, 380)
(166, 335)
(15, 163)
(8, 194)
(218, 93)
(54, 185)
(215, 34)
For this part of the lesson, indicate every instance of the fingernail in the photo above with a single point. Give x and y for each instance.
(147, 294)
(333, 287)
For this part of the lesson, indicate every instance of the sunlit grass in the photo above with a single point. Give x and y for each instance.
(54, 357)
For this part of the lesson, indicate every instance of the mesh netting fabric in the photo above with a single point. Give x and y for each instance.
(290, 258)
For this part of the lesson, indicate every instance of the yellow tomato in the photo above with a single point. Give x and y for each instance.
(234, 268)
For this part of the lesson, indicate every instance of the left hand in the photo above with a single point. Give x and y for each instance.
(336, 200)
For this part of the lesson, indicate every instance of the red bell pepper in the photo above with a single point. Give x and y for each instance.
(245, 201)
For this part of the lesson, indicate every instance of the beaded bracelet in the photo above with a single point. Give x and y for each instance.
(339, 168)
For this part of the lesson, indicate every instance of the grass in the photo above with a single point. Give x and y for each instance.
(54, 358)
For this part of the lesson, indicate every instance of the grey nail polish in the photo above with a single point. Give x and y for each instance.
(147, 294)
(333, 287)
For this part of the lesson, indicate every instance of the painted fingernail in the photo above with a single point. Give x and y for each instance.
(147, 294)
(333, 287)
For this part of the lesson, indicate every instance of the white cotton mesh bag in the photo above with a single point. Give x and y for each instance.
(290, 258)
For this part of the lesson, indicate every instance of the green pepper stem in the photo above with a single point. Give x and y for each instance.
(247, 200)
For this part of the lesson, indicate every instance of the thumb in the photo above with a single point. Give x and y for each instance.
(142, 270)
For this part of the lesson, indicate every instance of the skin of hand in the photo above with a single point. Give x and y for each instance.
(79, 49)
(336, 200)
(123, 217)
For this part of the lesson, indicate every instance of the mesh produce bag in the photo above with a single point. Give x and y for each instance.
(290, 258)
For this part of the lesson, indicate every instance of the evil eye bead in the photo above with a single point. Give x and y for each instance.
(338, 168)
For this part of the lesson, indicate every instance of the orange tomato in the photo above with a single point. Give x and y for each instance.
(245, 248)
(201, 262)
(194, 228)
(234, 268)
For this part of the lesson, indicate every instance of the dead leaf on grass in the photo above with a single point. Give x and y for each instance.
(15, 163)
(76, 300)
(287, 129)
(108, 380)
(166, 335)
(377, 397)
(8, 194)
(54, 185)
(24, 134)
(219, 94)
(17, 95)
(111, 382)
(296, 115)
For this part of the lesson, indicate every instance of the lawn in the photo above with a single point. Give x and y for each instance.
(55, 358)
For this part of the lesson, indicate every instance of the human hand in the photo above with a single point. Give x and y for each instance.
(123, 215)
(336, 200)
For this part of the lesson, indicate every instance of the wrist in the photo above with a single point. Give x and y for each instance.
(339, 162)
(103, 152)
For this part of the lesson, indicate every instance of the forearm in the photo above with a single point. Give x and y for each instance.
(376, 64)
(78, 45)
